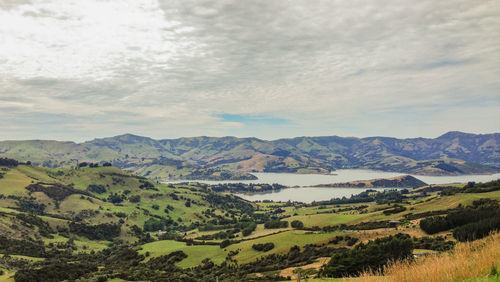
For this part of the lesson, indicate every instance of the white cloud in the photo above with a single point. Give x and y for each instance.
(169, 68)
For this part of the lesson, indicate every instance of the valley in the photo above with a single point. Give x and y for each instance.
(104, 224)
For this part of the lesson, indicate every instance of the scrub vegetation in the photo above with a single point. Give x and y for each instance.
(99, 223)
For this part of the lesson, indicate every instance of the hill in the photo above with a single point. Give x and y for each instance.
(405, 181)
(104, 224)
(216, 158)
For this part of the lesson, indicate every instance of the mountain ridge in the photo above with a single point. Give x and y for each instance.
(452, 153)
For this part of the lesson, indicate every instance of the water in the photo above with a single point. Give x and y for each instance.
(325, 193)
(346, 175)
(305, 195)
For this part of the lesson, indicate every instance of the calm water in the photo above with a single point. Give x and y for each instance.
(344, 175)
(305, 195)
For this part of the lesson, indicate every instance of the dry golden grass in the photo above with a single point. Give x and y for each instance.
(468, 260)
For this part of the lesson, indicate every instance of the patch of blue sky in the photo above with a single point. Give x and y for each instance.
(254, 119)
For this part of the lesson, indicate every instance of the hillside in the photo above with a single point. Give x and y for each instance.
(405, 181)
(214, 158)
(103, 224)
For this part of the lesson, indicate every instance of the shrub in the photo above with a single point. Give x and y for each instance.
(134, 199)
(395, 209)
(55, 272)
(115, 198)
(275, 224)
(8, 162)
(351, 241)
(374, 254)
(105, 231)
(479, 211)
(153, 224)
(99, 189)
(225, 243)
(477, 230)
(297, 224)
(249, 229)
(263, 247)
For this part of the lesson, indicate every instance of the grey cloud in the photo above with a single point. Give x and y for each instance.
(10, 4)
(310, 62)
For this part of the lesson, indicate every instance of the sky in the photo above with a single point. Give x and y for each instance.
(82, 69)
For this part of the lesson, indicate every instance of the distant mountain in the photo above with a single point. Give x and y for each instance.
(453, 153)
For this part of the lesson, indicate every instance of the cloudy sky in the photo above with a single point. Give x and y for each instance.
(79, 69)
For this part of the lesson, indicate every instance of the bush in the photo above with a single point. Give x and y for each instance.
(374, 254)
(153, 224)
(477, 230)
(115, 198)
(395, 209)
(134, 199)
(55, 272)
(479, 211)
(8, 162)
(225, 243)
(351, 241)
(263, 247)
(105, 231)
(297, 224)
(272, 224)
(249, 229)
(99, 189)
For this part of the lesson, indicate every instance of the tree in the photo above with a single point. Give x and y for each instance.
(225, 243)
(249, 229)
(153, 224)
(275, 224)
(263, 247)
(134, 199)
(297, 224)
(374, 254)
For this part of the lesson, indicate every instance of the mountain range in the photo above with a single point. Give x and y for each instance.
(220, 158)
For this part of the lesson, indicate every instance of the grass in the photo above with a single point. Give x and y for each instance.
(83, 244)
(326, 219)
(13, 182)
(471, 260)
(282, 241)
(7, 276)
(195, 253)
(33, 259)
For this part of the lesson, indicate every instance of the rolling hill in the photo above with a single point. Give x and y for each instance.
(104, 224)
(215, 158)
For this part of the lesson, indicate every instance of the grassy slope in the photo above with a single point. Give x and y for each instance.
(283, 242)
(15, 180)
(472, 260)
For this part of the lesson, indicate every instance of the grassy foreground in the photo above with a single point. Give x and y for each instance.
(478, 261)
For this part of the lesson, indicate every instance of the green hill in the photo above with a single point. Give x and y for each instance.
(104, 224)
(223, 158)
